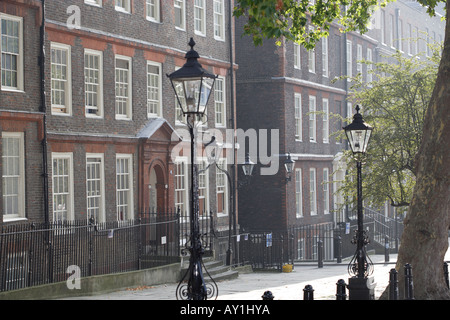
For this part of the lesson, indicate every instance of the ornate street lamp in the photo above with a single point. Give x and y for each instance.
(360, 286)
(289, 166)
(215, 150)
(193, 86)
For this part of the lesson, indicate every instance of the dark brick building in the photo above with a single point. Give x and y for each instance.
(280, 87)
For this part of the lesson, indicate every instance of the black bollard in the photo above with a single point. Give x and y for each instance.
(386, 249)
(409, 287)
(339, 250)
(308, 292)
(340, 290)
(267, 295)
(446, 274)
(320, 253)
(393, 285)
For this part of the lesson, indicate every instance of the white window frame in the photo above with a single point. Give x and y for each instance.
(349, 60)
(128, 102)
(203, 186)
(128, 192)
(200, 17)
(67, 192)
(97, 3)
(220, 102)
(312, 57)
(60, 109)
(222, 187)
(123, 6)
(219, 20)
(298, 193)
(101, 187)
(383, 27)
(312, 191)
(325, 72)
(181, 6)
(326, 122)
(312, 119)
(349, 111)
(326, 191)
(298, 117)
(99, 113)
(369, 67)
(155, 7)
(150, 88)
(312, 60)
(297, 56)
(20, 176)
(19, 67)
(359, 57)
(391, 31)
(183, 204)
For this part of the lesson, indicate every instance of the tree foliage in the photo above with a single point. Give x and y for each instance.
(394, 103)
(291, 19)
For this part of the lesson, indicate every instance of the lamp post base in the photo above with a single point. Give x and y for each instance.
(361, 288)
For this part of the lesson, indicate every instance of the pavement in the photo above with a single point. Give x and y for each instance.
(283, 285)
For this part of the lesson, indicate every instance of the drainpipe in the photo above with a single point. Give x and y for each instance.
(233, 124)
(43, 109)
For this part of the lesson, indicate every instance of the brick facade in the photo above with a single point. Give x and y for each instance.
(105, 29)
(269, 83)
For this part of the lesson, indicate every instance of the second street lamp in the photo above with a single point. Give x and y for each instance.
(360, 287)
(247, 167)
(193, 86)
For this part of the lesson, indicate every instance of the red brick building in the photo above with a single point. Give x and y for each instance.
(108, 118)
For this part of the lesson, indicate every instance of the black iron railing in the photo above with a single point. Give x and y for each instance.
(38, 253)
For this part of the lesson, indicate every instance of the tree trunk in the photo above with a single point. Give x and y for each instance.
(425, 237)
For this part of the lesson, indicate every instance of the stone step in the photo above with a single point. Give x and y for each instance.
(216, 269)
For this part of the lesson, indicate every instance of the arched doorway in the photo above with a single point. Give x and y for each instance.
(156, 189)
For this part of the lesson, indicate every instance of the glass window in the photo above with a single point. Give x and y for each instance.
(179, 6)
(153, 10)
(124, 187)
(221, 188)
(312, 191)
(298, 193)
(312, 119)
(11, 52)
(13, 175)
(123, 5)
(298, 116)
(219, 102)
(93, 83)
(154, 90)
(62, 186)
(61, 79)
(219, 20)
(95, 188)
(199, 17)
(326, 124)
(123, 88)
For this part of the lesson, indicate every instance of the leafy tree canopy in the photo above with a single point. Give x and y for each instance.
(394, 103)
(291, 19)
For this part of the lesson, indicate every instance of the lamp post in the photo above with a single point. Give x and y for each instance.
(289, 166)
(247, 168)
(360, 286)
(193, 86)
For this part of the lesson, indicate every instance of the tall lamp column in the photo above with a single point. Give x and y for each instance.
(361, 287)
(193, 86)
